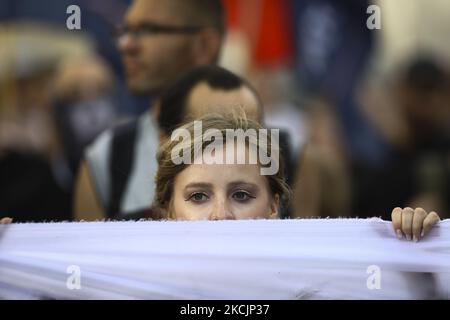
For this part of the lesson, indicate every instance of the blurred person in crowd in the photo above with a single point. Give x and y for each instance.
(333, 50)
(214, 189)
(203, 90)
(158, 41)
(83, 104)
(33, 174)
(417, 172)
(56, 110)
(322, 186)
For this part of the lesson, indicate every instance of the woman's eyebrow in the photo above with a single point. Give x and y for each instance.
(203, 185)
(243, 184)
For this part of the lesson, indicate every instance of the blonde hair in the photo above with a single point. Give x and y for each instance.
(168, 170)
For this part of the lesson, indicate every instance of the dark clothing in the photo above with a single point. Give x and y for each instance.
(423, 170)
(29, 191)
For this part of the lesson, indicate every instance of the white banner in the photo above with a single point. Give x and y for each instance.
(259, 259)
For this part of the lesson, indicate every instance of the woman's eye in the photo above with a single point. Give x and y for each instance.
(198, 197)
(242, 196)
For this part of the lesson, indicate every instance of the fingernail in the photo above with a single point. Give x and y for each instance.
(408, 237)
(415, 238)
(399, 234)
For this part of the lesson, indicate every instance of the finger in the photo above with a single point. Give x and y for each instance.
(396, 217)
(5, 220)
(407, 220)
(431, 219)
(418, 218)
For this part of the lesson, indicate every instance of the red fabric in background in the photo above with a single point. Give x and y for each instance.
(232, 9)
(272, 38)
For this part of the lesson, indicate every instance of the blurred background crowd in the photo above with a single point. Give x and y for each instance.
(367, 111)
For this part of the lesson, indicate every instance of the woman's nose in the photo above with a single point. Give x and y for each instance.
(222, 211)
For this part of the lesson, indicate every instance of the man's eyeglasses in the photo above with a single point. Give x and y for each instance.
(149, 28)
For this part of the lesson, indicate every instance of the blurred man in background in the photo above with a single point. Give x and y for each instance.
(158, 41)
(203, 90)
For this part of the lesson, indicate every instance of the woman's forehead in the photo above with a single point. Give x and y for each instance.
(223, 173)
(230, 152)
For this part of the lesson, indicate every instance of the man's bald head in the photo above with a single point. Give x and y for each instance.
(207, 89)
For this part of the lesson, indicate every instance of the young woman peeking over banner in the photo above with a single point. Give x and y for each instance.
(225, 167)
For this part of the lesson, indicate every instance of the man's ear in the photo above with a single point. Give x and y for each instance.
(207, 46)
(275, 207)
